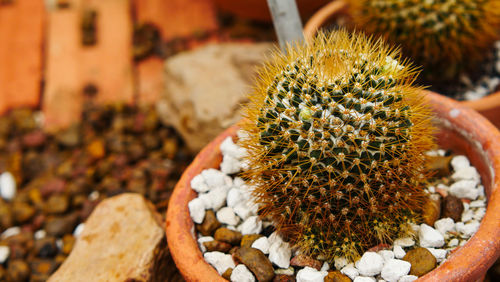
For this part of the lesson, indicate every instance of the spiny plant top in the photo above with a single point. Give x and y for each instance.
(336, 135)
(445, 36)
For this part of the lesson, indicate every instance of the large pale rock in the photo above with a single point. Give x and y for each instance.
(205, 87)
(123, 240)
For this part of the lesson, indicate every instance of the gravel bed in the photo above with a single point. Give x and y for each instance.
(230, 232)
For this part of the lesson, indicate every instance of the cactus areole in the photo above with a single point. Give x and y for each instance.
(336, 136)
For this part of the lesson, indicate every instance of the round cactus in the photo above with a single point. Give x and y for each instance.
(444, 36)
(335, 135)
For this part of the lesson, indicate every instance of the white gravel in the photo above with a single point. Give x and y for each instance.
(404, 242)
(78, 230)
(370, 264)
(280, 254)
(262, 244)
(444, 225)
(408, 278)
(309, 274)
(364, 279)
(252, 225)
(11, 231)
(350, 271)
(197, 210)
(220, 261)
(226, 215)
(386, 255)
(430, 237)
(4, 253)
(7, 186)
(242, 274)
(394, 269)
(398, 252)
(464, 189)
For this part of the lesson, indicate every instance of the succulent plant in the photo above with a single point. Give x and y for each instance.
(335, 134)
(444, 36)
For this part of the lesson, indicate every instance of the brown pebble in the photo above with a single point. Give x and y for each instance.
(302, 260)
(248, 240)
(432, 209)
(439, 165)
(256, 261)
(60, 225)
(45, 247)
(209, 224)
(52, 186)
(336, 276)
(284, 278)
(18, 270)
(96, 149)
(22, 212)
(56, 204)
(422, 261)
(218, 246)
(452, 207)
(5, 215)
(41, 269)
(68, 243)
(227, 235)
(227, 274)
(34, 139)
(3, 273)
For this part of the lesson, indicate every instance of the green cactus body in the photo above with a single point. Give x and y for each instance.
(336, 135)
(444, 36)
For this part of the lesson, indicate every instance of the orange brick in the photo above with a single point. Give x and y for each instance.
(21, 40)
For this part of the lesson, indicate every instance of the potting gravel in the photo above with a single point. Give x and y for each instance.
(236, 225)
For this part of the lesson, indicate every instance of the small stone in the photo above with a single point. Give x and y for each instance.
(464, 189)
(230, 165)
(440, 165)
(11, 231)
(398, 252)
(439, 254)
(68, 243)
(58, 226)
(227, 235)
(386, 255)
(256, 261)
(56, 204)
(241, 274)
(78, 230)
(302, 260)
(249, 239)
(395, 269)
(34, 139)
(340, 262)
(431, 210)
(209, 224)
(421, 260)
(227, 274)
(280, 254)
(22, 212)
(430, 237)
(4, 253)
(284, 278)
(7, 186)
(444, 225)
(96, 149)
(198, 184)
(364, 279)
(370, 264)
(229, 148)
(309, 274)
(404, 242)
(479, 214)
(234, 197)
(467, 215)
(202, 240)
(453, 242)
(45, 247)
(452, 207)
(466, 173)
(215, 178)
(18, 270)
(262, 244)
(252, 225)
(477, 204)
(325, 266)
(197, 210)
(220, 261)
(459, 162)
(217, 246)
(336, 276)
(467, 229)
(215, 198)
(226, 215)
(408, 278)
(350, 271)
(41, 269)
(243, 210)
(285, 271)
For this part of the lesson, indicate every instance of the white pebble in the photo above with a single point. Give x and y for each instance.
(408, 278)
(215, 198)
(11, 231)
(198, 184)
(94, 196)
(480, 191)
(220, 261)
(395, 269)
(467, 229)
(262, 244)
(238, 182)
(309, 274)
(350, 271)
(215, 178)
(280, 254)
(243, 210)
(467, 215)
(285, 271)
(39, 234)
(479, 214)
(439, 254)
(386, 255)
(242, 274)
(453, 242)
(398, 252)
(59, 243)
(466, 173)
(234, 197)
(464, 189)
(203, 239)
(370, 264)
(78, 230)
(364, 279)
(229, 148)
(226, 215)
(230, 165)
(252, 225)
(197, 210)
(444, 225)
(477, 204)
(458, 162)
(340, 262)
(4, 253)
(325, 266)
(7, 186)
(404, 242)
(430, 237)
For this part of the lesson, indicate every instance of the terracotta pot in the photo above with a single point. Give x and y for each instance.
(488, 106)
(461, 129)
(258, 10)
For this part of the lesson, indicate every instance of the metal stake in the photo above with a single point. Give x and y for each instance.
(287, 22)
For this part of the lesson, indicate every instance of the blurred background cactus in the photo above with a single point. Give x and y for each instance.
(446, 37)
(336, 136)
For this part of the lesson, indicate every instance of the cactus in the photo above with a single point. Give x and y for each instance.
(446, 37)
(335, 135)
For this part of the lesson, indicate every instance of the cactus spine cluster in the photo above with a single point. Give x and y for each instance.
(444, 36)
(335, 141)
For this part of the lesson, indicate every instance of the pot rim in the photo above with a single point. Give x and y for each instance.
(466, 263)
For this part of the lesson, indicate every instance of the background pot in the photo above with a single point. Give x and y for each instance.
(488, 106)
(461, 129)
